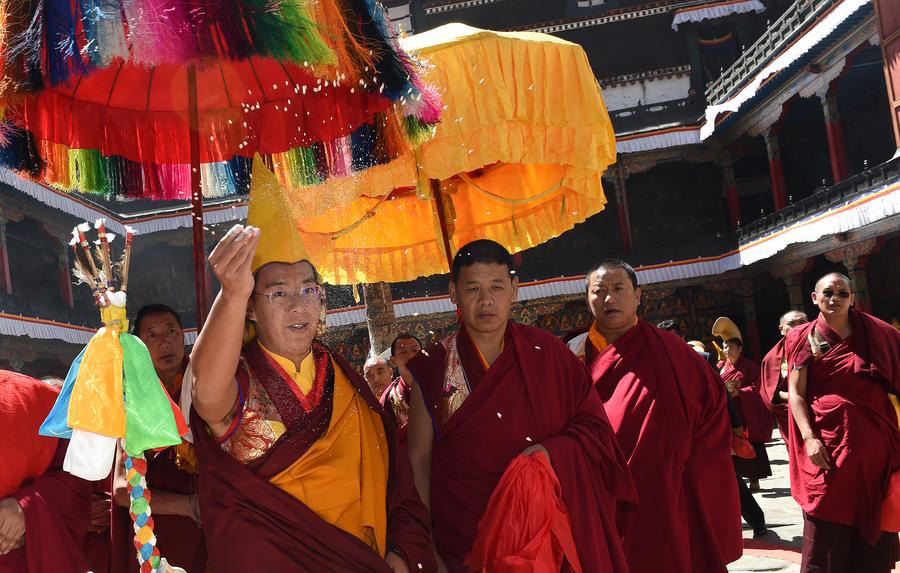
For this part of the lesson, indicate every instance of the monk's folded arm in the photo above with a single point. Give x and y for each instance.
(214, 359)
(797, 402)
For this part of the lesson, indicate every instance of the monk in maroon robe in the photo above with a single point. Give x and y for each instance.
(668, 410)
(45, 512)
(845, 443)
(396, 396)
(773, 385)
(299, 469)
(171, 472)
(497, 390)
(743, 374)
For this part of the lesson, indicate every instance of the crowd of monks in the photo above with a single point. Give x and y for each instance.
(499, 448)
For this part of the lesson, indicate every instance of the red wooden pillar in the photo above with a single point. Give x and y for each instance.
(65, 278)
(622, 206)
(5, 278)
(751, 336)
(776, 169)
(887, 12)
(731, 195)
(834, 129)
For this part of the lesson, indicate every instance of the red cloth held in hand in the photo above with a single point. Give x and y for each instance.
(526, 526)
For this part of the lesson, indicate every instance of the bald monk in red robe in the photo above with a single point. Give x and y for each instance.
(844, 444)
(744, 376)
(45, 512)
(668, 410)
(497, 390)
(171, 472)
(298, 466)
(773, 386)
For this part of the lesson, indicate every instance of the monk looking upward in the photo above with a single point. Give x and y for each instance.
(171, 472)
(774, 373)
(498, 389)
(844, 445)
(668, 410)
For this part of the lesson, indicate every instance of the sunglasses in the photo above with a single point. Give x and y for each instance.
(831, 293)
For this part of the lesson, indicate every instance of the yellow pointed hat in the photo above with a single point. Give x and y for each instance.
(280, 241)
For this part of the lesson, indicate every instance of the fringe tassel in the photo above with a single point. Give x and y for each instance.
(62, 58)
(104, 33)
(352, 52)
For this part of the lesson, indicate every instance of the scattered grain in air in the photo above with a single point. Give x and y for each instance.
(527, 438)
(481, 81)
(537, 347)
(499, 416)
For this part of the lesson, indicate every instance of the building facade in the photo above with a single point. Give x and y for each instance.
(757, 149)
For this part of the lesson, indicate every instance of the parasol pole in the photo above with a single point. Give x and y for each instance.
(442, 221)
(196, 198)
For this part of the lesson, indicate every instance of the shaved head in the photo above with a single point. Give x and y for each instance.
(791, 319)
(833, 276)
(834, 297)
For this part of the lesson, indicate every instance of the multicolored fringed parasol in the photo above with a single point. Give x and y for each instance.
(99, 95)
(112, 392)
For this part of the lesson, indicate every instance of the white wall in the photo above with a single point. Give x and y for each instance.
(645, 92)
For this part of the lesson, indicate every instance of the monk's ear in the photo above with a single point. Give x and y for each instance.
(515, 288)
(251, 310)
(453, 292)
(815, 298)
(637, 295)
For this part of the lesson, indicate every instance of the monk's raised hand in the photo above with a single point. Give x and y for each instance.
(817, 453)
(231, 260)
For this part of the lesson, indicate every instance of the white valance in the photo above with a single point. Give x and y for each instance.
(715, 10)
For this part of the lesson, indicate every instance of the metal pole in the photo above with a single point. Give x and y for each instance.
(196, 199)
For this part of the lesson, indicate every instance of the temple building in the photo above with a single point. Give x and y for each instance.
(757, 149)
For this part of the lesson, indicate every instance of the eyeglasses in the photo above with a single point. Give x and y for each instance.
(831, 293)
(284, 298)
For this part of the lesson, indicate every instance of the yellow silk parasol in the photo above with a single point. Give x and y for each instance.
(524, 140)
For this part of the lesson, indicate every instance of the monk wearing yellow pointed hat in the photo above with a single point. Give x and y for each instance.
(297, 460)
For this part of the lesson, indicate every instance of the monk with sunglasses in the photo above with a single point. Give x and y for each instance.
(844, 374)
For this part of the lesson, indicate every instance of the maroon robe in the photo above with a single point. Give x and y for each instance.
(252, 525)
(847, 393)
(536, 392)
(757, 419)
(56, 505)
(98, 544)
(668, 409)
(771, 383)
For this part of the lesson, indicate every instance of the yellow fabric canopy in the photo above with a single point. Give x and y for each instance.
(524, 139)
